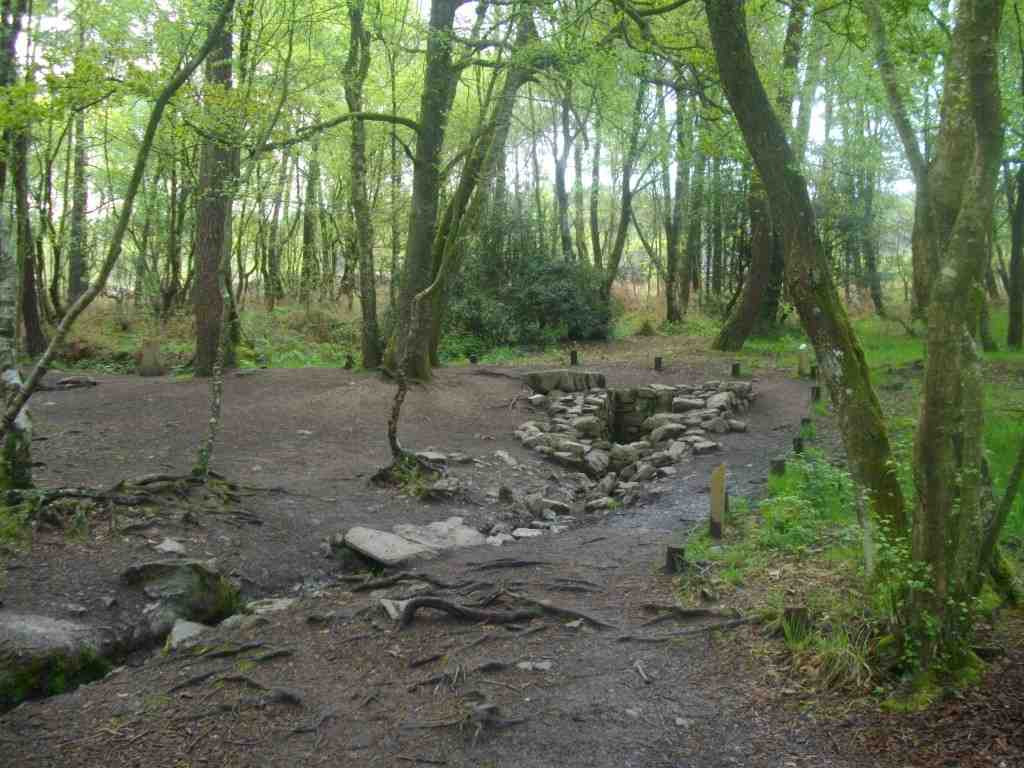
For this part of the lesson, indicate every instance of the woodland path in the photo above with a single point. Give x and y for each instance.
(343, 692)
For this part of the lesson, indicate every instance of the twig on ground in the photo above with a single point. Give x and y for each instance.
(506, 562)
(557, 610)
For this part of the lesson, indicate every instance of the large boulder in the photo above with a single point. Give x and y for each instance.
(40, 655)
(194, 590)
(564, 380)
(596, 462)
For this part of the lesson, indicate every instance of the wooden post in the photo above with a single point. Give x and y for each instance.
(149, 359)
(574, 357)
(803, 362)
(472, 359)
(675, 558)
(814, 372)
(350, 362)
(798, 445)
(657, 363)
(815, 393)
(778, 466)
(718, 502)
(805, 421)
(736, 370)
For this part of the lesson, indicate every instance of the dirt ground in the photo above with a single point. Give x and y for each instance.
(332, 680)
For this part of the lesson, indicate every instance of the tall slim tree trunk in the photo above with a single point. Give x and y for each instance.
(356, 67)
(579, 209)
(691, 263)
(561, 190)
(77, 267)
(840, 358)
(273, 290)
(435, 102)
(595, 200)
(35, 339)
(310, 225)
(1015, 289)
(213, 205)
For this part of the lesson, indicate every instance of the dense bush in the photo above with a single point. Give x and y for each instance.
(516, 294)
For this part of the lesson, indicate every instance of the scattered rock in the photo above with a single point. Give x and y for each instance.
(683, 404)
(269, 605)
(183, 632)
(597, 462)
(170, 547)
(526, 533)
(432, 457)
(500, 539)
(535, 666)
(590, 426)
(444, 488)
(193, 590)
(506, 457)
(667, 432)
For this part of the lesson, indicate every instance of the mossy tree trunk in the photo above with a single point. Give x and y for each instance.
(808, 274)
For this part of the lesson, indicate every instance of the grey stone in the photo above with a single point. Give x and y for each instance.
(607, 485)
(719, 426)
(170, 547)
(651, 423)
(270, 605)
(183, 632)
(667, 432)
(737, 426)
(722, 401)
(661, 458)
(597, 462)
(589, 426)
(683, 404)
(597, 505)
(546, 382)
(433, 457)
(622, 455)
(385, 548)
(505, 457)
(35, 650)
(678, 450)
(704, 446)
(558, 507)
(444, 488)
(193, 590)
(537, 401)
(500, 539)
(526, 533)
(445, 534)
(627, 473)
(644, 472)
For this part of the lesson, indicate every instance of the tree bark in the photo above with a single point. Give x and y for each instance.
(310, 270)
(808, 275)
(439, 82)
(356, 67)
(1015, 287)
(35, 339)
(215, 192)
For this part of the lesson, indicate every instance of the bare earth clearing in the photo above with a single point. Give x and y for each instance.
(332, 680)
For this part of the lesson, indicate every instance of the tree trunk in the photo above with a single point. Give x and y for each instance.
(840, 359)
(595, 200)
(273, 291)
(213, 205)
(869, 245)
(35, 339)
(1015, 289)
(745, 314)
(439, 82)
(77, 265)
(310, 225)
(561, 190)
(578, 206)
(691, 263)
(618, 246)
(356, 67)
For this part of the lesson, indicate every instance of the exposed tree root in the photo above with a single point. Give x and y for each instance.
(733, 624)
(568, 613)
(676, 613)
(506, 562)
(462, 612)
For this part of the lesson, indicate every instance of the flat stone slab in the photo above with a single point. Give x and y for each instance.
(184, 632)
(445, 534)
(385, 548)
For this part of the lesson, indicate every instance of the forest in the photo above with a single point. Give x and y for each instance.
(733, 288)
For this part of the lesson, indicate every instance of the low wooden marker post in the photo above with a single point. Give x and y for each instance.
(657, 363)
(149, 359)
(350, 362)
(574, 357)
(736, 370)
(719, 502)
(815, 393)
(798, 445)
(803, 362)
(473, 359)
(814, 372)
(778, 466)
(675, 558)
